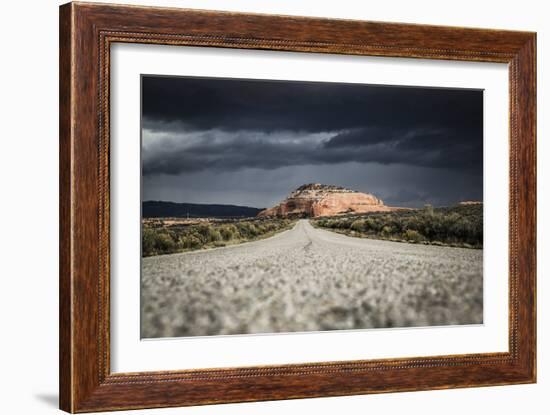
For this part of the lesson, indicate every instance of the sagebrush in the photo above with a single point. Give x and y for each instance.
(460, 225)
(161, 238)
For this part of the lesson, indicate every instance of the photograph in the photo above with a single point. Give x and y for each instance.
(258, 204)
(283, 206)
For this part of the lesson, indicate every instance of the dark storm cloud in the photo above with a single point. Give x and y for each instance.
(232, 153)
(417, 126)
(423, 147)
(233, 105)
(200, 127)
(361, 137)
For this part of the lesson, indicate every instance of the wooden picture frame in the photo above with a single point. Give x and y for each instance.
(86, 33)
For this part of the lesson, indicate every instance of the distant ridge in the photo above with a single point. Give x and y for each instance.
(160, 209)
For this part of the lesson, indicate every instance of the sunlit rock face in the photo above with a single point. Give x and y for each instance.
(314, 200)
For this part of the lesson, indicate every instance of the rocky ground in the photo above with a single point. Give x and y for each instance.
(308, 279)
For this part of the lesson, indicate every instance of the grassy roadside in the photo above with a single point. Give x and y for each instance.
(165, 237)
(456, 226)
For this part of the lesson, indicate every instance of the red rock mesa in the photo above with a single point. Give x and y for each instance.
(314, 200)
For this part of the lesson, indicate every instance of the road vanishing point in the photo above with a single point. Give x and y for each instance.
(309, 279)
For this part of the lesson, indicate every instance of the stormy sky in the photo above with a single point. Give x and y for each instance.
(251, 142)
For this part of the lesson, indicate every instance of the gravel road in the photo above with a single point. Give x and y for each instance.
(308, 279)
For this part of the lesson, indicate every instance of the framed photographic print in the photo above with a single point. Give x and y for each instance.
(260, 207)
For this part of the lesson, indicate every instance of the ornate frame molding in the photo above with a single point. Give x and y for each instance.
(87, 31)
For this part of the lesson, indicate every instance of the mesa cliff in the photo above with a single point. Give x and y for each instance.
(315, 199)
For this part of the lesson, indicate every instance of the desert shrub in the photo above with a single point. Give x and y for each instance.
(414, 223)
(203, 230)
(455, 225)
(260, 228)
(148, 242)
(247, 229)
(214, 235)
(161, 238)
(190, 242)
(412, 235)
(209, 233)
(386, 231)
(358, 225)
(228, 232)
(330, 224)
(341, 223)
(371, 225)
(164, 243)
